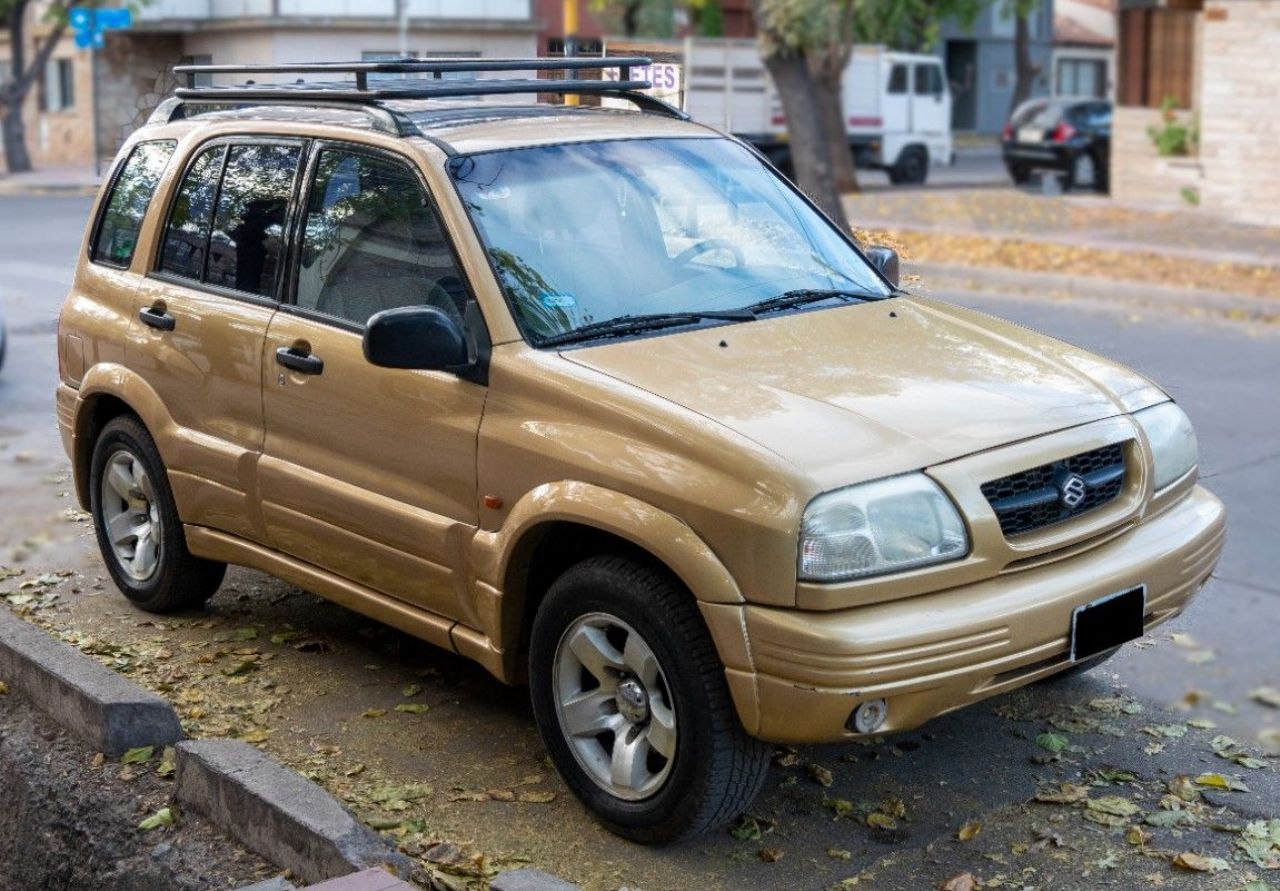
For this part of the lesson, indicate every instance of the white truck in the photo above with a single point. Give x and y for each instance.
(897, 106)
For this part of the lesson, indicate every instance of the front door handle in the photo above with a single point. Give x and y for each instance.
(303, 363)
(157, 318)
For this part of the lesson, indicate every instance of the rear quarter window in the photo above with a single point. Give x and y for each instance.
(117, 234)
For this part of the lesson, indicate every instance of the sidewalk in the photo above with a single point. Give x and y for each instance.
(51, 181)
(1085, 237)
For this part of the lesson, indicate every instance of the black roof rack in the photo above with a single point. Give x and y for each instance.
(359, 94)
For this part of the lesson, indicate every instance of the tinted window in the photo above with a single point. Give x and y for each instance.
(118, 232)
(372, 242)
(928, 80)
(186, 237)
(248, 229)
(898, 79)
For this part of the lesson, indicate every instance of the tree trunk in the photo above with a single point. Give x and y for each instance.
(1025, 71)
(21, 79)
(829, 95)
(810, 147)
(17, 158)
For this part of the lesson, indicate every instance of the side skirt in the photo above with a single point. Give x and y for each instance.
(435, 629)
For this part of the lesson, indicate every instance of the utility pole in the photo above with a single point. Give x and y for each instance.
(570, 41)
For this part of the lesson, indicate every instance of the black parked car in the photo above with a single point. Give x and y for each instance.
(1069, 136)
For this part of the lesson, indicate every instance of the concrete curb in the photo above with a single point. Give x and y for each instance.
(276, 812)
(109, 712)
(67, 190)
(530, 880)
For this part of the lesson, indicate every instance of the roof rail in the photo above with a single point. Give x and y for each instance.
(360, 95)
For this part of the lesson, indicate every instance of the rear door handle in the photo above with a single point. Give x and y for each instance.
(303, 363)
(156, 318)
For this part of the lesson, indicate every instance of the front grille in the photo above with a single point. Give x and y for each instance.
(1032, 499)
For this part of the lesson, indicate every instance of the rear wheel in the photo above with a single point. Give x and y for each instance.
(632, 703)
(1019, 173)
(139, 533)
(911, 168)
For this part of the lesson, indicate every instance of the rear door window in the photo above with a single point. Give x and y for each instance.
(186, 237)
(226, 225)
(247, 242)
(117, 234)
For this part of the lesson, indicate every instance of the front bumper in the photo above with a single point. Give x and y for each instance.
(934, 653)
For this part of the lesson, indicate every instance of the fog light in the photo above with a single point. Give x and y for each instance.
(870, 716)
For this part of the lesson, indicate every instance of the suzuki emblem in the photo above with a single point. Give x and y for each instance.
(1071, 491)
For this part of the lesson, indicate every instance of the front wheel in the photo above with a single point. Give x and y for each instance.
(139, 532)
(631, 701)
(911, 168)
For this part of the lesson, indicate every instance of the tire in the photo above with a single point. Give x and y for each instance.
(1019, 173)
(715, 770)
(1080, 668)
(129, 490)
(911, 168)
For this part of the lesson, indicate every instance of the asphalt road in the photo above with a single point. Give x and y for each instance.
(980, 763)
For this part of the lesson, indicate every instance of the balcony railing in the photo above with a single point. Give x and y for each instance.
(197, 10)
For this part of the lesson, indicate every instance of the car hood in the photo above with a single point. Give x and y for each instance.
(867, 390)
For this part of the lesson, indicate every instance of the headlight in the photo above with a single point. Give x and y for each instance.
(1172, 439)
(889, 525)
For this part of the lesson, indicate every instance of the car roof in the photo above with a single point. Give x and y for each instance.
(465, 127)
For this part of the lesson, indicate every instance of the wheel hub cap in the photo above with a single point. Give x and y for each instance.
(632, 701)
(130, 515)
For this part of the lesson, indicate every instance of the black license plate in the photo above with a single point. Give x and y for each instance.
(1107, 623)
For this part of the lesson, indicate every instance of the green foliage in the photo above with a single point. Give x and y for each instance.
(912, 24)
(710, 19)
(1174, 136)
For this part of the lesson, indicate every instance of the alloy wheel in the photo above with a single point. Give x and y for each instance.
(614, 706)
(130, 515)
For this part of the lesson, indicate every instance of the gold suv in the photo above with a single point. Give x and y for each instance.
(595, 397)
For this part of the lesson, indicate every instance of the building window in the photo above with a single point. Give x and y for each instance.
(59, 85)
(1157, 56)
(1082, 77)
(385, 56)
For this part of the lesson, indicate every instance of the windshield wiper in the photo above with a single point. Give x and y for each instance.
(801, 296)
(635, 323)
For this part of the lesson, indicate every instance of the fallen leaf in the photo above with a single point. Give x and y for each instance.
(168, 762)
(354, 770)
(535, 797)
(1137, 836)
(841, 807)
(373, 713)
(965, 881)
(162, 817)
(1183, 787)
(1066, 793)
(140, 755)
(839, 854)
(1269, 696)
(411, 690)
(1220, 781)
(878, 820)
(969, 831)
(4, 689)
(1052, 742)
(820, 774)
(1201, 724)
(770, 855)
(1198, 863)
(412, 708)
(242, 667)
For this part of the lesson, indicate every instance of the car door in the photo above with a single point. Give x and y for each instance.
(930, 108)
(204, 309)
(369, 472)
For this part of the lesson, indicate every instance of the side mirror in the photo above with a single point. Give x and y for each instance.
(419, 337)
(886, 260)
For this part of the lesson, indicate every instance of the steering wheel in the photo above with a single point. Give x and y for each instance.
(711, 244)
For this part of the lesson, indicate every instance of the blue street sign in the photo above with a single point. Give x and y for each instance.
(88, 24)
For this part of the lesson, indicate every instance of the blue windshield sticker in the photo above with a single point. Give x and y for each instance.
(552, 300)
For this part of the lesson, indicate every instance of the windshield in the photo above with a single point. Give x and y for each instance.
(587, 232)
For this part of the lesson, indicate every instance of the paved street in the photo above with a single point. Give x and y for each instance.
(447, 773)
